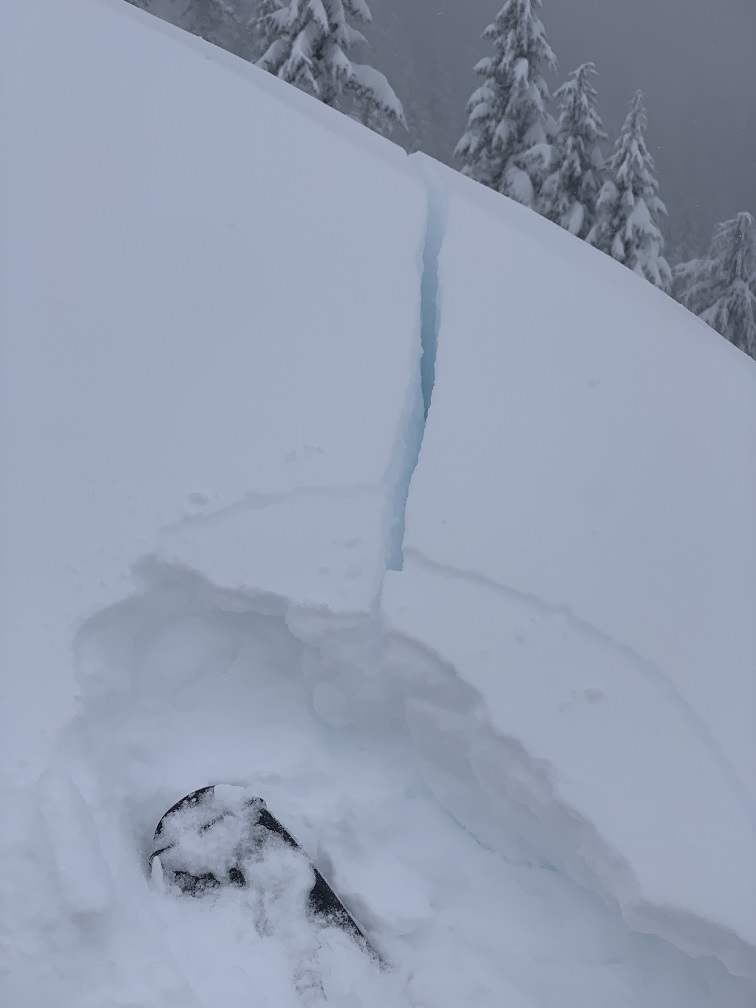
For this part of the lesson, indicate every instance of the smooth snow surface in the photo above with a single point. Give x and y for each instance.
(215, 298)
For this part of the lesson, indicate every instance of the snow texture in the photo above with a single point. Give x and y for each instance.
(513, 737)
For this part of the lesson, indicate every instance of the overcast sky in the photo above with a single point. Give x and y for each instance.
(695, 60)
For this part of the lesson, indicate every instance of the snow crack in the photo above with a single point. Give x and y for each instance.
(435, 227)
(257, 501)
(643, 665)
(429, 287)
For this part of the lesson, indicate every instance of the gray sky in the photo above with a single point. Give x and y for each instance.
(695, 60)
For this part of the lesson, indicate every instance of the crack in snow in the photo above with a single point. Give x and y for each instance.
(643, 665)
(429, 285)
(435, 227)
(257, 501)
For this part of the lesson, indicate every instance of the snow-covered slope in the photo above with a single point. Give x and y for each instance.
(579, 546)
(198, 328)
(213, 295)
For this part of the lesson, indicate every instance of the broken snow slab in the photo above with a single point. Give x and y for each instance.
(580, 549)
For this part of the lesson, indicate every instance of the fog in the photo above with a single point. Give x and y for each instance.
(695, 60)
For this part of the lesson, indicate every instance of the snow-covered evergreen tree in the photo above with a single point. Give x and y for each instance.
(225, 23)
(308, 44)
(214, 20)
(687, 234)
(628, 207)
(265, 25)
(569, 192)
(721, 288)
(506, 144)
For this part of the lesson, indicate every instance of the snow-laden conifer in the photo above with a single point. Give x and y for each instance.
(308, 43)
(721, 287)
(225, 23)
(569, 192)
(214, 20)
(628, 207)
(509, 129)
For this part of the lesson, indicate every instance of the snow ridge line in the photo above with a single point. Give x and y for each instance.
(644, 666)
(428, 259)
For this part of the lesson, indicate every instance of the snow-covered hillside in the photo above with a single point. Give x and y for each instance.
(514, 733)
(567, 551)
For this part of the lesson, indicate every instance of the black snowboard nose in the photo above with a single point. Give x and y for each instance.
(205, 840)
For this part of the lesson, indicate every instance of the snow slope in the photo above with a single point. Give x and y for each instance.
(212, 398)
(156, 306)
(579, 546)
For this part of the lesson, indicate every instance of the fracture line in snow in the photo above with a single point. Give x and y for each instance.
(435, 227)
(429, 289)
(411, 436)
(254, 501)
(643, 665)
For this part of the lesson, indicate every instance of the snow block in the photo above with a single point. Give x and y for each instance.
(580, 549)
